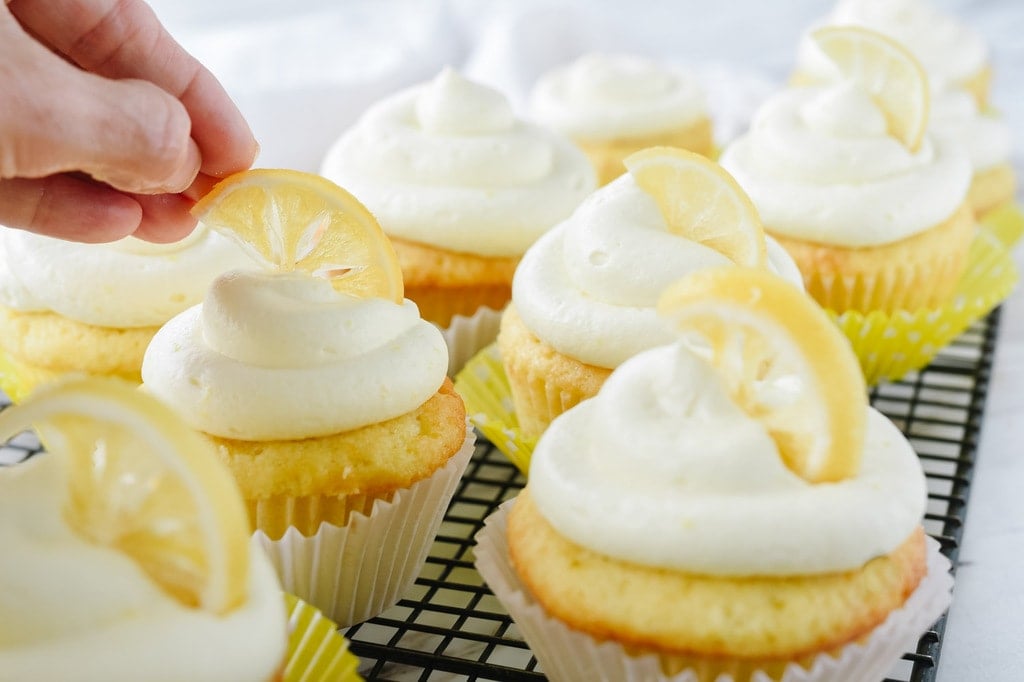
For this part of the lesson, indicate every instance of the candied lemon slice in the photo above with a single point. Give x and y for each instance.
(888, 71)
(140, 482)
(783, 360)
(701, 201)
(301, 221)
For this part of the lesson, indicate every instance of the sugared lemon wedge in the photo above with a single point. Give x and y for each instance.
(887, 71)
(301, 221)
(700, 201)
(783, 360)
(142, 483)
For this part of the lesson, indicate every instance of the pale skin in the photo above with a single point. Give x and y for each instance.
(108, 127)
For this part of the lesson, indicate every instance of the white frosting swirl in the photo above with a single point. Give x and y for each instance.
(447, 164)
(285, 356)
(72, 606)
(950, 51)
(663, 469)
(123, 284)
(602, 96)
(986, 137)
(820, 166)
(589, 287)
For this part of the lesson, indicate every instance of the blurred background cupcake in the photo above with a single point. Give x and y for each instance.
(93, 308)
(986, 136)
(870, 203)
(461, 186)
(612, 105)
(953, 54)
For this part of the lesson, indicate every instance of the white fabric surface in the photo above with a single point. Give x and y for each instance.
(302, 72)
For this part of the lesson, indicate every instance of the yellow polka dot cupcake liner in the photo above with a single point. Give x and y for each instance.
(889, 345)
(1006, 222)
(316, 650)
(483, 385)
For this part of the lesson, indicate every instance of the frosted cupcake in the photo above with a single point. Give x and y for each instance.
(461, 186)
(954, 55)
(987, 140)
(126, 550)
(612, 105)
(584, 295)
(870, 204)
(93, 308)
(329, 403)
(746, 516)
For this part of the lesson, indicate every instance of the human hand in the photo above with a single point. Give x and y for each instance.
(108, 127)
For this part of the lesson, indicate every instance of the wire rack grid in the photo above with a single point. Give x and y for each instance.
(450, 627)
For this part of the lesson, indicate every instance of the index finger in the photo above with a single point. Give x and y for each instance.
(124, 39)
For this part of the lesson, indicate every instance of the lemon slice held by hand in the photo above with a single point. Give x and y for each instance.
(301, 221)
(783, 361)
(701, 201)
(887, 71)
(142, 483)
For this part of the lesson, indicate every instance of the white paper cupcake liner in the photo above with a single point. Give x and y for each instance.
(357, 571)
(465, 336)
(569, 655)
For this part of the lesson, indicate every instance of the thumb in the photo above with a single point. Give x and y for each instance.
(56, 118)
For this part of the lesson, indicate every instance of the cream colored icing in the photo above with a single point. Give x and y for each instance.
(447, 164)
(951, 52)
(285, 356)
(589, 287)
(602, 96)
(72, 609)
(123, 284)
(986, 137)
(661, 468)
(820, 166)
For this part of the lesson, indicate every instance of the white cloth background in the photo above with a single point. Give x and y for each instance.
(302, 72)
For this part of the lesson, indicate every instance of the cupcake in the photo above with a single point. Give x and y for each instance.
(461, 186)
(986, 137)
(328, 402)
(93, 308)
(126, 550)
(584, 295)
(870, 203)
(954, 55)
(612, 105)
(741, 517)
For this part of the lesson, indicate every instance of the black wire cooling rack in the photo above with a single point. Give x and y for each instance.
(450, 627)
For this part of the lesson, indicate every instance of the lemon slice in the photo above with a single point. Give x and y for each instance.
(142, 483)
(700, 201)
(887, 71)
(301, 221)
(783, 360)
